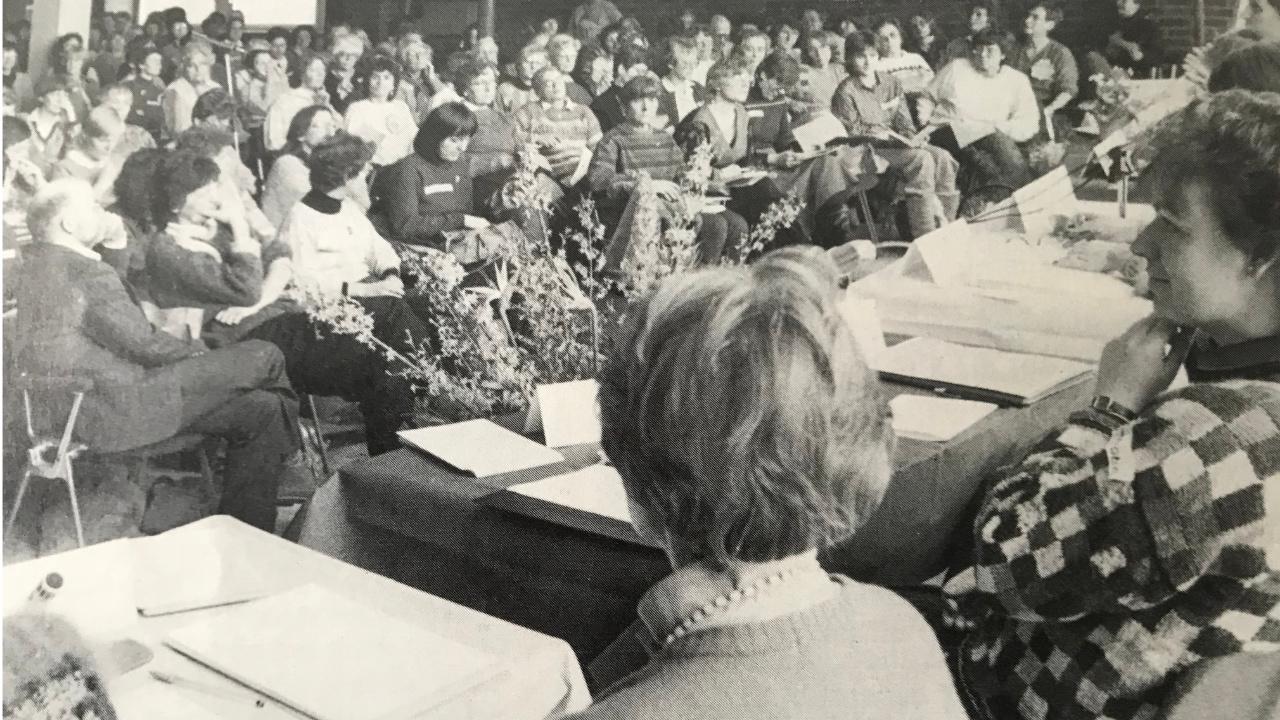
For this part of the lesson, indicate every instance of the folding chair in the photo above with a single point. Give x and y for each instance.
(50, 455)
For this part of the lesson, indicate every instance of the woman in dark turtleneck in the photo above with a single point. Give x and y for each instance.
(419, 199)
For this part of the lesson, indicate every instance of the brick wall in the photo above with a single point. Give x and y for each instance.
(1085, 18)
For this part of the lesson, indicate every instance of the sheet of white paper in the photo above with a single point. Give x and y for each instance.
(331, 657)
(862, 318)
(596, 489)
(815, 134)
(935, 419)
(945, 253)
(567, 413)
(1040, 201)
(194, 567)
(1016, 374)
(481, 447)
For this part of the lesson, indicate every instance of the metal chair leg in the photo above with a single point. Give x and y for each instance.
(865, 205)
(17, 502)
(320, 443)
(75, 502)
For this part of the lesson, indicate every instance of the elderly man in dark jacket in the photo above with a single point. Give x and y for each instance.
(77, 320)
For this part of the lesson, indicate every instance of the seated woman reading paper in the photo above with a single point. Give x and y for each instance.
(749, 432)
(1141, 539)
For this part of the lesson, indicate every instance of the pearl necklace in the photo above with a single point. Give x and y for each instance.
(722, 603)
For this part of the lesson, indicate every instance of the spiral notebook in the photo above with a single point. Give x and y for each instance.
(332, 658)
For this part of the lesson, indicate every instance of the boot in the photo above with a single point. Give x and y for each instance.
(921, 215)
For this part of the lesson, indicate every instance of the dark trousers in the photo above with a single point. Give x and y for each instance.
(720, 235)
(242, 394)
(994, 160)
(320, 362)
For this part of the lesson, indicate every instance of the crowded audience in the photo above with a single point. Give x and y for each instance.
(171, 220)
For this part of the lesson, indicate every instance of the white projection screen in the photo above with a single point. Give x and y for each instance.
(257, 13)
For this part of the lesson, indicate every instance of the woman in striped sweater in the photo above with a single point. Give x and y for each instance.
(634, 149)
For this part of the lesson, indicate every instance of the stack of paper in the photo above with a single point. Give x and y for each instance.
(935, 419)
(978, 373)
(567, 413)
(332, 658)
(481, 448)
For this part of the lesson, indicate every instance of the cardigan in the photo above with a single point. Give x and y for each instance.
(724, 150)
(493, 147)
(1117, 555)
(865, 653)
(415, 199)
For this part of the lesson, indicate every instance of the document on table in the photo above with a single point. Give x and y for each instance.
(332, 658)
(195, 567)
(596, 489)
(567, 413)
(935, 419)
(978, 373)
(481, 448)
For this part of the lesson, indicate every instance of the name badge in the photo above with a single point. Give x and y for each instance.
(437, 189)
(755, 114)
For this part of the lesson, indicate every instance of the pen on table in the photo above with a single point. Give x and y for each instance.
(227, 692)
(47, 588)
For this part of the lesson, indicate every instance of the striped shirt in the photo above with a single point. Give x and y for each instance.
(629, 149)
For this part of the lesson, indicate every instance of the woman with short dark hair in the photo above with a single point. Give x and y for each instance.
(381, 117)
(425, 199)
(1139, 543)
(750, 434)
(289, 178)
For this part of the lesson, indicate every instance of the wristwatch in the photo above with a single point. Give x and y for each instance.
(1113, 409)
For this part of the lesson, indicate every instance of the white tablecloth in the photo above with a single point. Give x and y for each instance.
(536, 677)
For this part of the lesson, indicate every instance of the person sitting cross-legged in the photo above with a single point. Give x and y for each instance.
(749, 434)
(872, 104)
(79, 321)
(983, 109)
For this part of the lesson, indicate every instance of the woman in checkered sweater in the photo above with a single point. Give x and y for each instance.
(1143, 538)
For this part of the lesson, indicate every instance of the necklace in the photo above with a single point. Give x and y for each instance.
(722, 603)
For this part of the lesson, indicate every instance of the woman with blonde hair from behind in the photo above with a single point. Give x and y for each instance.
(749, 433)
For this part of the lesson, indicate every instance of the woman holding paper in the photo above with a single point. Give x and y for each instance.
(741, 477)
(1141, 539)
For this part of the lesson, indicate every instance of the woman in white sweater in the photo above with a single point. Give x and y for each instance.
(383, 118)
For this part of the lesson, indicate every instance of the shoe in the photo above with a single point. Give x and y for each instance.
(297, 481)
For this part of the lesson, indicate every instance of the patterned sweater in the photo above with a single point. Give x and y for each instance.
(626, 151)
(1116, 556)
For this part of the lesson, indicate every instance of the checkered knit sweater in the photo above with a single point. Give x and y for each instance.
(1115, 556)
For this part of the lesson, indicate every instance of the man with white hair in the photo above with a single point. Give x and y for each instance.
(344, 84)
(78, 321)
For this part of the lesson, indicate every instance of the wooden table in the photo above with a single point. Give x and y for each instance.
(536, 676)
(419, 523)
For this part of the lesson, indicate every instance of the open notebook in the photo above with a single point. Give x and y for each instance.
(978, 373)
(481, 447)
(332, 658)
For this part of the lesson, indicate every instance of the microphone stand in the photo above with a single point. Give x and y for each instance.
(231, 81)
